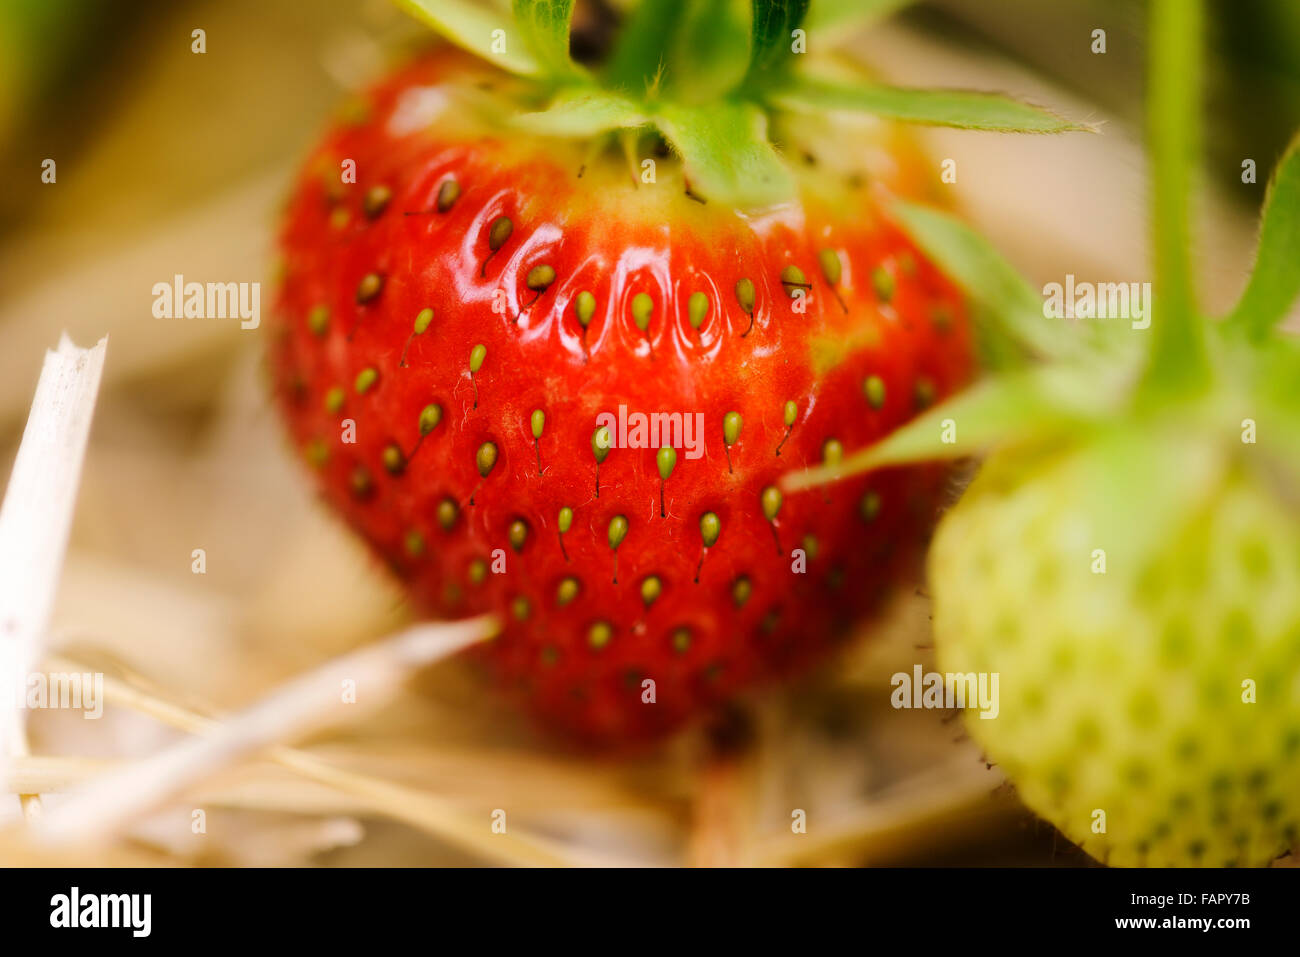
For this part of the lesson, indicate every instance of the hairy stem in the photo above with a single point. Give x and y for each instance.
(1178, 359)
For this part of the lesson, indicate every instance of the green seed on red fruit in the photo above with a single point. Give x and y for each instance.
(366, 380)
(651, 589)
(394, 460)
(430, 416)
(499, 232)
(447, 512)
(584, 307)
(478, 571)
(517, 534)
(697, 309)
(448, 193)
(642, 307)
(710, 529)
(794, 281)
(667, 461)
(771, 500)
(423, 318)
(741, 589)
(745, 295)
(537, 422)
(565, 519)
(372, 283)
(540, 278)
(599, 634)
(334, 400)
(731, 425)
(376, 201)
(476, 357)
(318, 320)
(600, 444)
(617, 531)
(884, 284)
(873, 387)
(567, 591)
(486, 458)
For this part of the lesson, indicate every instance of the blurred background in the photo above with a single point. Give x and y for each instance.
(174, 162)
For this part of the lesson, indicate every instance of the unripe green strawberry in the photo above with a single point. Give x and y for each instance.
(1128, 560)
(1150, 683)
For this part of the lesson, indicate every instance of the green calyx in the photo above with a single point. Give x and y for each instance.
(709, 77)
(1057, 378)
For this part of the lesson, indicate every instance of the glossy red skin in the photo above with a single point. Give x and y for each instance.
(541, 361)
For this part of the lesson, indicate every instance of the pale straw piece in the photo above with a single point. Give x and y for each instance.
(35, 521)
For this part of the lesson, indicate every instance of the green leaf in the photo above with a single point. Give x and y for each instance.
(1275, 281)
(993, 412)
(958, 108)
(723, 146)
(471, 28)
(836, 20)
(584, 111)
(1178, 359)
(725, 150)
(710, 55)
(545, 28)
(774, 23)
(1014, 308)
(642, 39)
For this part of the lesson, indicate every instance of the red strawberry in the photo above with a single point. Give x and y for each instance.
(481, 295)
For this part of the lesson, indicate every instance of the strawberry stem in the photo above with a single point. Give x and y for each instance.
(706, 76)
(1178, 360)
(774, 24)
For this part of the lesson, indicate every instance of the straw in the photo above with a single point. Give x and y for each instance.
(323, 696)
(35, 521)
